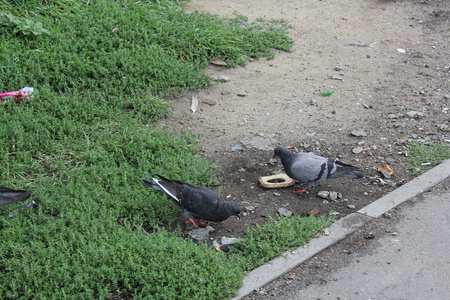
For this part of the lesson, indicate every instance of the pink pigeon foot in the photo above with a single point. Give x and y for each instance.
(300, 191)
(191, 220)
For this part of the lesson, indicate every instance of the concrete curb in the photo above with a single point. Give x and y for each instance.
(342, 228)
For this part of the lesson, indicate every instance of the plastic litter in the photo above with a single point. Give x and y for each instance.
(17, 96)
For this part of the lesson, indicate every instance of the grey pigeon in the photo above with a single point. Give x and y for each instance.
(195, 201)
(310, 168)
(8, 196)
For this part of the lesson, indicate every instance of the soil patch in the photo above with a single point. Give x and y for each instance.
(387, 63)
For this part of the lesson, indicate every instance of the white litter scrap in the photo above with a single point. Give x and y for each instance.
(194, 103)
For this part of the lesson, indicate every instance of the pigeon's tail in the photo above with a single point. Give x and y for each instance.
(151, 184)
(167, 187)
(8, 196)
(348, 171)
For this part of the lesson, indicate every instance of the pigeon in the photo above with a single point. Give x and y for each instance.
(8, 196)
(310, 168)
(195, 201)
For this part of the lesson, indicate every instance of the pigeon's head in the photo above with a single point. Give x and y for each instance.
(280, 151)
(235, 209)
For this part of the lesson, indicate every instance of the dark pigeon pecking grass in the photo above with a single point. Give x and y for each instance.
(310, 168)
(195, 201)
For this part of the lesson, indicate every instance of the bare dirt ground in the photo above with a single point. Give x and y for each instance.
(277, 102)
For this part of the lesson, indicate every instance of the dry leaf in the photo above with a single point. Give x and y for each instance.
(386, 168)
(314, 211)
(194, 103)
(218, 62)
(217, 246)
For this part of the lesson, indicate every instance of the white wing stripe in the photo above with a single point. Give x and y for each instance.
(166, 191)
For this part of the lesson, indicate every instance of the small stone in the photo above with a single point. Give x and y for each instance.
(335, 77)
(369, 236)
(250, 209)
(351, 206)
(392, 116)
(209, 101)
(443, 127)
(387, 215)
(358, 150)
(313, 102)
(199, 234)
(414, 114)
(333, 196)
(210, 228)
(358, 133)
(222, 78)
(242, 94)
(323, 194)
(237, 147)
(284, 212)
(325, 202)
(227, 243)
(401, 50)
(276, 194)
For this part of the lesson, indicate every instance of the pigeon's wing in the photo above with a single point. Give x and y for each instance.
(346, 170)
(8, 195)
(308, 167)
(202, 203)
(184, 183)
(171, 188)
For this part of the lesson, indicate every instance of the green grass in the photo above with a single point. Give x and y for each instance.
(419, 157)
(86, 139)
(269, 240)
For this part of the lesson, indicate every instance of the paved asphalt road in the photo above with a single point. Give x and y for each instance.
(414, 264)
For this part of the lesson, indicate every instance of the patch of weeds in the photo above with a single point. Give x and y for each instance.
(161, 51)
(33, 8)
(419, 157)
(46, 257)
(22, 25)
(269, 240)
